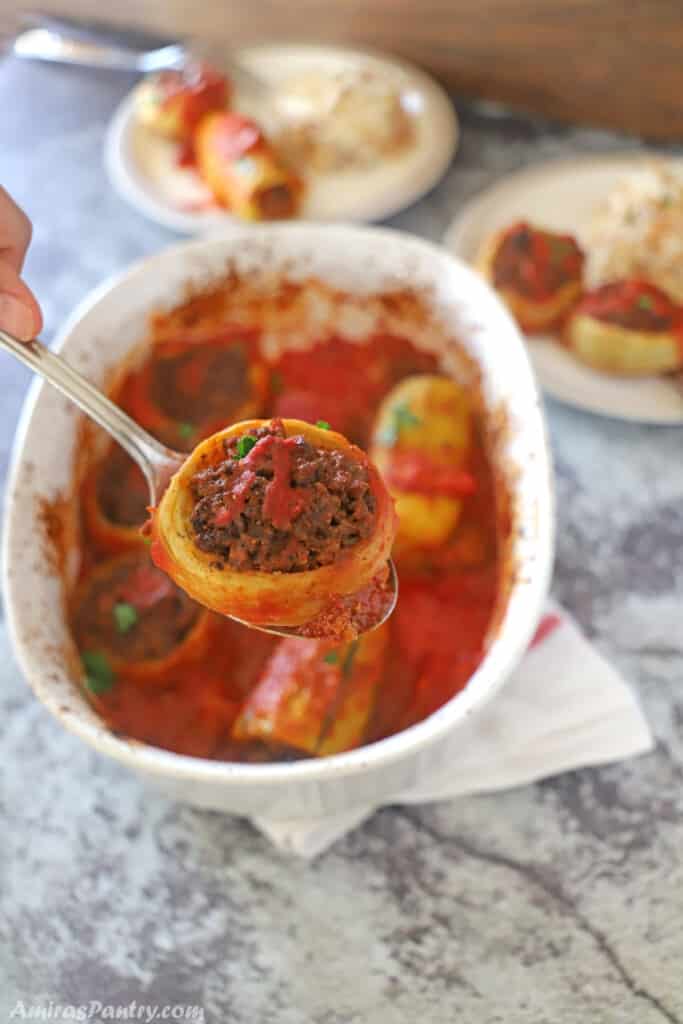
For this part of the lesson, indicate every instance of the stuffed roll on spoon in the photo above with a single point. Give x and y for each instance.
(279, 523)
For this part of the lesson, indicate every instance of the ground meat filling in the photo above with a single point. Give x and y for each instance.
(135, 612)
(535, 263)
(278, 504)
(625, 305)
(122, 493)
(203, 383)
(636, 319)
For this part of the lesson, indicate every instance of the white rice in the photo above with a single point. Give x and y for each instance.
(638, 230)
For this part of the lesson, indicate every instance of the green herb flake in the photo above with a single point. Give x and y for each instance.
(331, 658)
(349, 659)
(244, 446)
(99, 675)
(147, 541)
(125, 616)
(323, 424)
(186, 430)
(401, 419)
(645, 302)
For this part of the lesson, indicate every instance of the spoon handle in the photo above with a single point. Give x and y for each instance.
(156, 461)
(54, 45)
(98, 44)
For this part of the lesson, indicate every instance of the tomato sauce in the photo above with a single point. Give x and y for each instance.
(535, 263)
(238, 135)
(437, 633)
(634, 304)
(340, 382)
(187, 97)
(412, 472)
(282, 504)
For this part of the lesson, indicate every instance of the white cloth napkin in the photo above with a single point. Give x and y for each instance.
(564, 707)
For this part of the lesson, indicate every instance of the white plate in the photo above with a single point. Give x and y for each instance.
(143, 168)
(562, 195)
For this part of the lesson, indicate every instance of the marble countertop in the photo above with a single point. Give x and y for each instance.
(559, 902)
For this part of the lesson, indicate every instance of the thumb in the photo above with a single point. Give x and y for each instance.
(19, 312)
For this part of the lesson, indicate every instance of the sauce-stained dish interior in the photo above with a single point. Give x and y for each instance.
(165, 671)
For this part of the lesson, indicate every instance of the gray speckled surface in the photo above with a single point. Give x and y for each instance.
(557, 902)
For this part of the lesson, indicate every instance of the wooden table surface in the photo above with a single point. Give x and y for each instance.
(610, 62)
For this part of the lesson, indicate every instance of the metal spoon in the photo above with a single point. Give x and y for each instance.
(98, 44)
(157, 462)
(48, 42)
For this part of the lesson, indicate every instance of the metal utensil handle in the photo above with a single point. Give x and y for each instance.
(155, 460)
(46, 44)
(98, 31)
(100, 44)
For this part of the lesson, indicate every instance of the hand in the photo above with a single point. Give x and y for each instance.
(19, 312)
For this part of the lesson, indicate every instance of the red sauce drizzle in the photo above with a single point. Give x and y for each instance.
(633, 303)
(237, 135)
(546, 626)
(200, 92)
(185, 156)
(237, 497)
(145, 587)
(282, 503)
(412, 472)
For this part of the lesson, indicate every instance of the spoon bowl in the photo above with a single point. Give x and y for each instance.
(388, 608)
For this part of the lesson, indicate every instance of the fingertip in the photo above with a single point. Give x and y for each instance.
(37, 318)
(17, 318)
(20, 313)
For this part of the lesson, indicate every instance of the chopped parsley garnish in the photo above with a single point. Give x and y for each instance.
(147, 541)
(323, 424)
(244, 446)
(125, 616)
(186, 430)
(401, 419)
(332, 658)
(99, 675)
(645, 302)
(348, 660)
